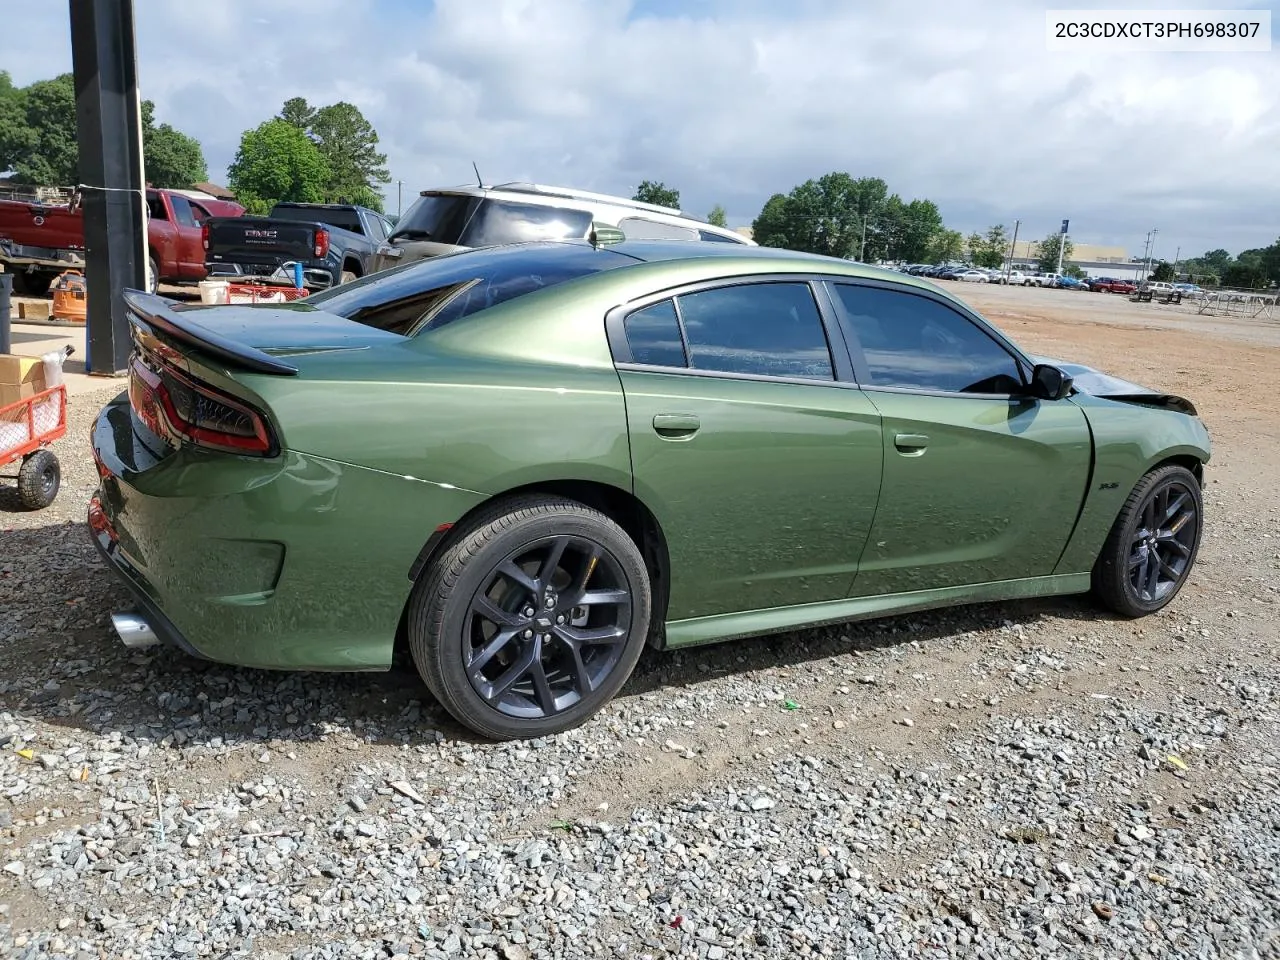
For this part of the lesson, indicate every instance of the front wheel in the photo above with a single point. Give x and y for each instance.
(1153, 544)
(153, 275)
(532, 619)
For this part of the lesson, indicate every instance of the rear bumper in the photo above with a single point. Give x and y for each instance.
(51, 258)
(313, 277)
(109, 549)
(291, 562)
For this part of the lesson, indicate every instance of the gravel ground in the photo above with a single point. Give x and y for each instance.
(1005, 780)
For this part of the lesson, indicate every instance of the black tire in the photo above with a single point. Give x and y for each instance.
(34, 283)
(1147, 558)
(447, 633)
(153, 275)
(39, 478)
(348, 277)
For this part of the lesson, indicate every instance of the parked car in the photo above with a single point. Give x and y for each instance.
(1189, 289)
(1067, 282)
(39, 241)
(459, 218)
(534, 459)
(335, 243)
(1113, 285)
(973, 276)
(1045, 279)
(1157, 288)
(1016, 278)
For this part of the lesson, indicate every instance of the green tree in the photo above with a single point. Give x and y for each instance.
(912, 227)
(277, 162)
(1071, 270)
(827, 216)
(655, 191)
(172, 158)
(39, 139)
(298, 112)
(989, 249)
(349, 145)
(718, 217)
(1246, 275)
(38, 132)
(945, 245)
(1047, 257)
(1162, 271)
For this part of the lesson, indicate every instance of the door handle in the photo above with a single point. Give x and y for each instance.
(911, 444)
(676, 426)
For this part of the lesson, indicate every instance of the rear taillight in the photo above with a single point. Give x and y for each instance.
(204, 235)
(171, 404)
(322, 243)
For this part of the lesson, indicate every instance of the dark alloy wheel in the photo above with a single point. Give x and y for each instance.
(1153, 545)
(532, 619)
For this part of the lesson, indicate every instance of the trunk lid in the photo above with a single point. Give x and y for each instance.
(259, 338)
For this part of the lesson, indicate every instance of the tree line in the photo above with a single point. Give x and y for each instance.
(38, 138)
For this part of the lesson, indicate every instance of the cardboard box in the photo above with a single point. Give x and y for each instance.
(20, 378)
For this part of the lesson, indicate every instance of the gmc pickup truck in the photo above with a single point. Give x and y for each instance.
(38, 241)
(335, 243)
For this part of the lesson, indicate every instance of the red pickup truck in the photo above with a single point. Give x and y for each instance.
(38, 241)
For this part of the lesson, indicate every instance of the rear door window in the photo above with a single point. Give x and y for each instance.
(182, 210)
(770, 329)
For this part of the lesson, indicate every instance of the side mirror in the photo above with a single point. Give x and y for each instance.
(1049, 382)
(387, 250)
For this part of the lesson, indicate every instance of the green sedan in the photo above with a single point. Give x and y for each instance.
(520, 465)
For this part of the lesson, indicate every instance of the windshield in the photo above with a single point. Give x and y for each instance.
(437, 217)
(467, 221)
(429, 293)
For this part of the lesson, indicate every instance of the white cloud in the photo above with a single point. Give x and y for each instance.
(733, 101)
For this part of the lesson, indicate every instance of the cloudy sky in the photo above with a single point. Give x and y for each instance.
(733, 100)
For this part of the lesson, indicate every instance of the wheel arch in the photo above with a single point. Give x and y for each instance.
(352, 264)
(621, 506)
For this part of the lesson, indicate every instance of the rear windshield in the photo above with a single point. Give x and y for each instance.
(480, 222)
(342, 219)
(431, 293)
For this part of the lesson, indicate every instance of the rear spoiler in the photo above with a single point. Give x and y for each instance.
(160, 316)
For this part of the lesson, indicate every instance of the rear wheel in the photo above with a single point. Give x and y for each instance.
(1152, 546)
(39, 478)
(33, 283)
(153, 275)
(532, 619)
(347, 277)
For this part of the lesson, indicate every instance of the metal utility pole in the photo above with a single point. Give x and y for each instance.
(1013, 245)
(1151, 251)
(862, 247)
(399, 197)
(1176, 257)
(1062, 243)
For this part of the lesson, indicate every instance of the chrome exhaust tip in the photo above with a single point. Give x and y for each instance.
(133, 631)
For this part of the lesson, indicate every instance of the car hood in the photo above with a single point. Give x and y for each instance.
(1098, 384)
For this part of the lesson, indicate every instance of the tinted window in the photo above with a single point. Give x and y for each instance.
(653, 334)
(912, 341)
(639, 228)
(430, 293)
(377, 227)
(717, 237)
(770, 329)
(436, 217)
(342, 219)
(500, 221)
